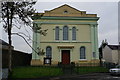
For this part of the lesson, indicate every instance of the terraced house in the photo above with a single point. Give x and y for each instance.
(72, 36)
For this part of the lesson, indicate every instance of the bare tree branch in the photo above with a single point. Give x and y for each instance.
(27, 31)
(29, 38)
(23, 10)
(25, 41)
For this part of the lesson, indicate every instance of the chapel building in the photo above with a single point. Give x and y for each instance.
(72, 36)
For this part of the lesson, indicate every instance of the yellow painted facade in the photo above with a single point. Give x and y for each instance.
(86, 35)
(83, 29)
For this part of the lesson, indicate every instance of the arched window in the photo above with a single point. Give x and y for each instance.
(57, 33)
(49, 52)
(65, 33)
(73, 33)
(82, 53)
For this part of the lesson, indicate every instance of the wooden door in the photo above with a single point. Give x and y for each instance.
(65, 56)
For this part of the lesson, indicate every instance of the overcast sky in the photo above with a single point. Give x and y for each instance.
(107, 24)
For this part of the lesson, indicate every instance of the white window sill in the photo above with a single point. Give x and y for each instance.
(82, 59)
(65, 41)
(57, 40)
(74, 41)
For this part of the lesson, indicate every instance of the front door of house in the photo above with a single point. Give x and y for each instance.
(65, 56)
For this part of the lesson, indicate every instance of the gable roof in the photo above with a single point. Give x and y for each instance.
(113, 47)
(65, 7)
(3, 42)
(4, 45)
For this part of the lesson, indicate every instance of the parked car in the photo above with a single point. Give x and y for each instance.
(115, 71)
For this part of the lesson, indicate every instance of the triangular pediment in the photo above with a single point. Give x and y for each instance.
(65, 9)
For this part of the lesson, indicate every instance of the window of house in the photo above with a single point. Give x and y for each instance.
(73, 33)
(57, 33)
(65, 33)
(49, 52)
(65, 11)
(82, 53)
(94, 55)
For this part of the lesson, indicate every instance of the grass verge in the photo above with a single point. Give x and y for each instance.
(35, 72)
(86, 70)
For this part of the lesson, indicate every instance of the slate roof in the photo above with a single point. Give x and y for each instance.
(3, 42)
(113, 47)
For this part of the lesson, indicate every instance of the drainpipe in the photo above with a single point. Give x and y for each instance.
(119, 53)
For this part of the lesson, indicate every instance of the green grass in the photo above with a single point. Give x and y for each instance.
(86, 70)
(35, 72)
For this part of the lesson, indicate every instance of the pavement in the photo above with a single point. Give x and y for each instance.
(93, 76)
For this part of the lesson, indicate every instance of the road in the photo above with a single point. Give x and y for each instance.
(94, 76)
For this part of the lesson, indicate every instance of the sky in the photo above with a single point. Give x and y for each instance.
(107, 24)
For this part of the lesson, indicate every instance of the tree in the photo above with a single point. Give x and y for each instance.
(16, 11)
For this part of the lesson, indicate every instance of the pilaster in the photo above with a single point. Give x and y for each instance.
(70, 34)
(94, 41)
(61, 34)
(36, 43)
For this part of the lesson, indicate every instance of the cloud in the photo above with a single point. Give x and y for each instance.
(78, 0)
(21, 45)
(108, 22)
(111, 36)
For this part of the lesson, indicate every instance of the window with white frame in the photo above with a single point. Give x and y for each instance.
(57, 33)
(94, 55)
(73, 33)
(48, 52)
(65, 33)
(82, 52)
